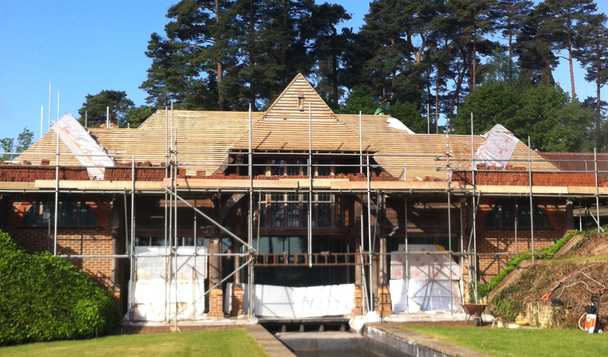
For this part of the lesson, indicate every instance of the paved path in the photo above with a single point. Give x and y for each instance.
(435, 346)
(270, 345)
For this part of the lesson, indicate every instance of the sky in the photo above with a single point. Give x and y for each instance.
(82, 47)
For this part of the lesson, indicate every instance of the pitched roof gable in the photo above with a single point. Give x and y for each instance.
(294, 101)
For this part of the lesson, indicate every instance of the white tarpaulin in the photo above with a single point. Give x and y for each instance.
(154, 295)
(302, 302)
(498, 147)
(427, 283)
(83, 146)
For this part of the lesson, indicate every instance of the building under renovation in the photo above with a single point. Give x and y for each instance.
(292, 213)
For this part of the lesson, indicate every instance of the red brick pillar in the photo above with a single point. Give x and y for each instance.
(237, 291)
(358, 295)
(216, 296)
(384, 306)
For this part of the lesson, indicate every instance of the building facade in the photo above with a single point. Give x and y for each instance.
(296, 196)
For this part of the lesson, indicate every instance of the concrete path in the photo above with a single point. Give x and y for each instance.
(416, 344)
(270, 345)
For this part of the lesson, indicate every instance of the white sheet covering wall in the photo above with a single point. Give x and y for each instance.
(301, 302)
(154, 296)
(426, 286)
(80, 143)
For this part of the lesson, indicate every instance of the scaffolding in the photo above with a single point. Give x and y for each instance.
(363, 258)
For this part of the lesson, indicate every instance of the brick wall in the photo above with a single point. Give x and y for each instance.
(492, 242)
(496, 247)
(98, 240)
(75, 242)
(26, 173)
(520, 178)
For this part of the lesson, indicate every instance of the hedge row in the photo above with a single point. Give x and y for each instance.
(45, 298)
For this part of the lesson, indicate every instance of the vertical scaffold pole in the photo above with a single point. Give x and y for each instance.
(369, 234)
(474, 209)
(461, 250)
(56, 208)
(175, 221)
(362, 232)
(597, 192)
(530, 184)
(166, 218)
(451, 255)
(250, 267)
(407, 247)
(310, 183)
(132, 238)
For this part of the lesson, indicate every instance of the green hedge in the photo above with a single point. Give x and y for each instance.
(547, 253)
(45, 298)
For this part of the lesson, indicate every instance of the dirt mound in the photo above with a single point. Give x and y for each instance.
(555, 292)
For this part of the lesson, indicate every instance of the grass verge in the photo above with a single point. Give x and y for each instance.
(233, 342)
(520, 342)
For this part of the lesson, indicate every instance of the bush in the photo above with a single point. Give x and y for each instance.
(45, 298)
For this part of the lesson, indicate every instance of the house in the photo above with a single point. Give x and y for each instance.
(296, 211)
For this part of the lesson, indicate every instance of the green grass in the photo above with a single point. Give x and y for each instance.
(234, 342)
(520, 342)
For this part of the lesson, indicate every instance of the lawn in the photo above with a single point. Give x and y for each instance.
(519, 342)
(234, 342)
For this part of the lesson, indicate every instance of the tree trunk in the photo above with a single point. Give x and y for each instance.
(459, 81)
(510, 49)
(437, 104)
(252, 56)
(473, 67)
(598, 108)
(219, 71)
(335, 83)
(571, 65)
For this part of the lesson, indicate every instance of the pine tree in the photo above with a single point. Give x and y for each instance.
(536, 48)
(94, 108)
(565, 20)
(592, 51)
(511, 16)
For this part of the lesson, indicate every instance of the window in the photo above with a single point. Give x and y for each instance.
(301, 103)
(323, 170)
(322, 210)
(290, 210)
(153, 241)
(504, 215)
(277, 167)
(279, 245)
(69, 214)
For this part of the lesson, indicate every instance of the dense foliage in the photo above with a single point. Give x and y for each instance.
(417, 60)
(45, 298)
(545, 113)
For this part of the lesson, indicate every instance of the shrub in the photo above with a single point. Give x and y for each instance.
(45, 298)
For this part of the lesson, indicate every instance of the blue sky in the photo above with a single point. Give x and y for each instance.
(83, 47)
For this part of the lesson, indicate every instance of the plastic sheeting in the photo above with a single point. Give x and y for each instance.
(155, 290)
(426, 283)
(498, 147)
(83, 146)
(398, 124)
(301, 302)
